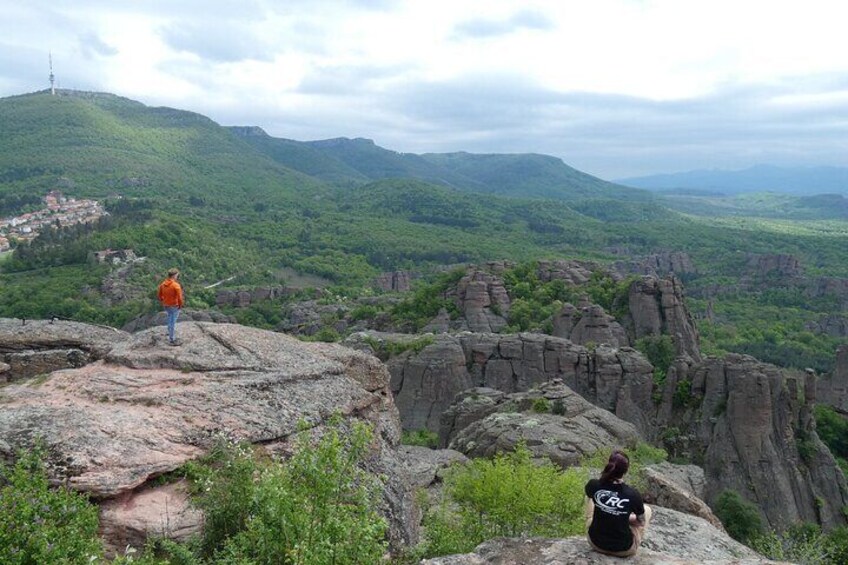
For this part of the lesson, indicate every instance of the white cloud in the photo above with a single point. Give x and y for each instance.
(617, 86)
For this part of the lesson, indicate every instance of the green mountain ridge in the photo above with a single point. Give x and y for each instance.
(518, 175)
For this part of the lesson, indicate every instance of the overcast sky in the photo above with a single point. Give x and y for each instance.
(613, 87)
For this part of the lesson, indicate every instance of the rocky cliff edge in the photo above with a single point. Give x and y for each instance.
(144, 408)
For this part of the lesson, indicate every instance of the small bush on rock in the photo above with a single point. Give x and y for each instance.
(510, 495)
(422, 438)
(804, 544)
(319, 507)
(741, 518)
(39, 524)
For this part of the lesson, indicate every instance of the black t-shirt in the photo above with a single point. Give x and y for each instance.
(610, 529)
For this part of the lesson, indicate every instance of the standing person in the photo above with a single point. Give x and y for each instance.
(171, 297)
(619, 517)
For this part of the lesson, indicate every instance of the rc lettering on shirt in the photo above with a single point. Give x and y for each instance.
(608, 501)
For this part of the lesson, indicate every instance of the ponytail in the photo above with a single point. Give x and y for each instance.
(616, 468)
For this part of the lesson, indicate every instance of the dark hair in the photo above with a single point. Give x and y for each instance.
(616, 468)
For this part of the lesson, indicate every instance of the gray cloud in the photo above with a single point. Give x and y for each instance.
(217, 40)
(489, 28)
(23, 70)
(91, 45)
(608, 135)
(345, 80)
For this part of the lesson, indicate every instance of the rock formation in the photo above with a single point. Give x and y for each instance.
(673, 538)
(751, 425)
(37, 347)
(425, 383)
(425, 466)
(829, 286)
(553, 421)
(679, 487)
(656, 307)
(775, 265)
(658, 265)
(834, 325)
(246, 297)
(832, 389)
(588, 325)
(145, 408)
(747, 422)
(394, 281)
(575, 273)
(483, 302)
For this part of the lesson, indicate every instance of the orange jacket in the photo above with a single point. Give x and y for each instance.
(171, 293)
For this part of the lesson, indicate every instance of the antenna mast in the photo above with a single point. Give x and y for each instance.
(52, 77)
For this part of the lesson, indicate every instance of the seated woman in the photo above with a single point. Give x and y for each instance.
(618, 518)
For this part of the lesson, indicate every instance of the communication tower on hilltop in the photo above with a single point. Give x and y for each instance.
(52, 77)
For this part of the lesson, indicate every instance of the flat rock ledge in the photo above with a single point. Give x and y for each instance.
(673, 538)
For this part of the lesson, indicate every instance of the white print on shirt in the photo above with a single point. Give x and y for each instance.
(609, 502)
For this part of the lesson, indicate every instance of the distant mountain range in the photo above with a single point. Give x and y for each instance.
(761, 178)
(356, 161)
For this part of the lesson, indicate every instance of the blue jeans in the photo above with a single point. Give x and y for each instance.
(172, 312)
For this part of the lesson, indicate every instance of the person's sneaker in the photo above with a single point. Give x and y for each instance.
(176, 342)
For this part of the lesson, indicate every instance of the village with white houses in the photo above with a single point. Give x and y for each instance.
(59, 211)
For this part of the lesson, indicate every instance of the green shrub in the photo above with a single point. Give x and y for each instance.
(365, 312)
(558, 407)
(325, 334)
(510, 495)
(741, 518)
(39, 524)
(832, 428)
(423, 438)
(223, 487)
(387, 349)
(659, 349)
(317, 508)
(683, 394)
(804, 544)
(541, 405)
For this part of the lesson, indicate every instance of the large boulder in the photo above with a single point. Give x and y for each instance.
(680, 487)
(672, 538)
(425, 466)
(588, 325)
(112, 426)
(160, 511)
(39, 335)
(30, 348)
(424, 384)
(553, 421)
